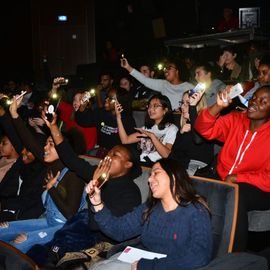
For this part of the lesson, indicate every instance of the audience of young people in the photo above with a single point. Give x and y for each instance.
(161, 145)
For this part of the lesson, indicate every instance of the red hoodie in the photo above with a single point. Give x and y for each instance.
(245, 153)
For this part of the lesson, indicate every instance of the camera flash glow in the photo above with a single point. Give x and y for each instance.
(160, 66)
(92, 92)
(62, 18)
(54, 96)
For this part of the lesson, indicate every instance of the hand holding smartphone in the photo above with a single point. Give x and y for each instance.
(49, 114)
(200, 87)
(22, 94)
(236, 90)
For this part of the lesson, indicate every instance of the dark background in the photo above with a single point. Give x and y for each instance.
(130, 30)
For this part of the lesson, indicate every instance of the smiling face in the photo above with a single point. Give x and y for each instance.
(159, 183)
(259, 105)
(120, 161)
(50, 153)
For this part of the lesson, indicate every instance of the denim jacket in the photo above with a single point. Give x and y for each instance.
(53, 215)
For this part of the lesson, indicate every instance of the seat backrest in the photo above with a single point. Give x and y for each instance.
(222, 199)
(13, 259)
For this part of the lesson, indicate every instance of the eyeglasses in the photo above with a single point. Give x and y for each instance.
(111, 99)
(169, 68)
(155, 106)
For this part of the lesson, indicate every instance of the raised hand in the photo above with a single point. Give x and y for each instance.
(57, 82)
(145, 133)
(51, 179)
(118, 109)
(223, 99)
(103, 167)
(195, 98)
(45, 119)
(15, 104)
(101, 175)
(185, 128)
(124, 64)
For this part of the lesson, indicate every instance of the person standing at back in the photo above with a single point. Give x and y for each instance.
(229, 21)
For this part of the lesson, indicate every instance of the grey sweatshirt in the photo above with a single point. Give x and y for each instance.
(173, 92)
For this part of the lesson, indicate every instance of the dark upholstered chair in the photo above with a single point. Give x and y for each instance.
(13, 259)
(222, 199)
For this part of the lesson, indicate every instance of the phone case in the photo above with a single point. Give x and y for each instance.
(236, 91)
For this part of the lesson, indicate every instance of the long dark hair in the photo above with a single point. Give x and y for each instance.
(165, 102)
(181, 187)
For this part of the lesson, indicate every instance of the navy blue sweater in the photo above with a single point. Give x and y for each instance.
(184, 234)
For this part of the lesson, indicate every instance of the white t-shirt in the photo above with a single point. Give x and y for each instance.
(166, 135)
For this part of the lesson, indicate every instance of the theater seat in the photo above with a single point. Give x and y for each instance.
(13, 259)
(259, 221)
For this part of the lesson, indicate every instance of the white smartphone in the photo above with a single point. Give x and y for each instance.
(236, 90)
(200, 87)
(22, 94)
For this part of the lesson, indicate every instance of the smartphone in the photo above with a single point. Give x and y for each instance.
(236, 90)
(88, 95)
(114, 99)
(200, 87)
(50, 112)
(22, 94)
(100, 182)
(122, 59)
(64, 82)
(243, 100)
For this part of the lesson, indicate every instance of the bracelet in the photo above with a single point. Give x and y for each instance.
(97, 204)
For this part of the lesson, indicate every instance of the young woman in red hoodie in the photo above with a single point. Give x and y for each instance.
(244, 158)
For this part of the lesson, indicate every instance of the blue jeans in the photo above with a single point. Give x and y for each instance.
(37, 231)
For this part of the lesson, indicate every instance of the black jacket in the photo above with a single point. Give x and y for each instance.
(106, 125)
